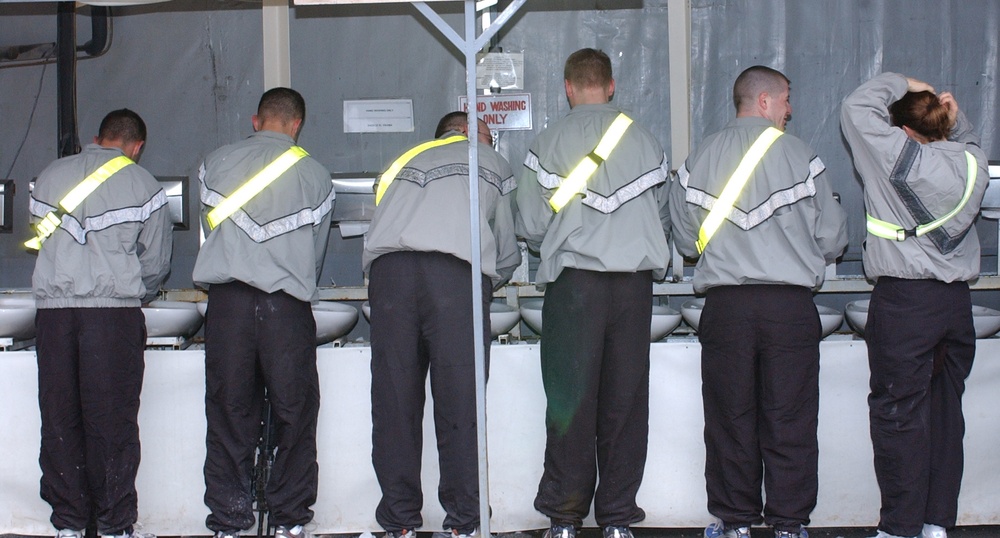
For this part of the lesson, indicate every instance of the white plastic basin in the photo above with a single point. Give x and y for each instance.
(985, 320)
(664, 321)
(171, 318)
(830, 319)
(503, 317)
(333, 319)
(17, 315)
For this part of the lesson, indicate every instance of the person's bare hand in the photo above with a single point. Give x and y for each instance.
(949, 102)
(914, 85)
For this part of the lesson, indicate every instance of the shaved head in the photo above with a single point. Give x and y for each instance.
(757, 80)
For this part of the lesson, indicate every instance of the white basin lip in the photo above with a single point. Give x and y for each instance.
(333, 320)
(171, 318)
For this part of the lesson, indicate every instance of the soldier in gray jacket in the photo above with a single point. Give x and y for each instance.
(107, 253)
(924, 177)
(261, 261)
(417, 255)
(602, 242)
(763, 248)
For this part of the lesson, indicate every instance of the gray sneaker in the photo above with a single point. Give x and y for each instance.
(788, 534)
(405, 533)
(613, 531)
(560, 531)
(69, 533)
(717, 530)
(933, 531)
(298, 531)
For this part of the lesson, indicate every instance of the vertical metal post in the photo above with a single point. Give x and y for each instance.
(470, 50)
(69, 138)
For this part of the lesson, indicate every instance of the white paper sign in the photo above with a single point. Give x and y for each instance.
(502, 112)
(378, 116)
(504, 70)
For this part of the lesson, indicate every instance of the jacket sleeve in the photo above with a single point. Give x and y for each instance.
(663, 200)
(321, 231)
(831, 221)
(533, 211)
(156, 241)
(864, 119)
(684, 217)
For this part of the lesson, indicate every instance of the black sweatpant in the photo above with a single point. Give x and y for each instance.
(256, 341)
(90, 367)
(421, 318)
(595, 370)
(921, 345)
(760, 387)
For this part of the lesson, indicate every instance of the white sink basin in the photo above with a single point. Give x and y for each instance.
(17, 315)
(333, 319)
(830, 319)
(503, 317)
(985, 320)
(171, 318)
(664, 321)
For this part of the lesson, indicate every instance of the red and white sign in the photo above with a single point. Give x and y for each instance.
(502, 112)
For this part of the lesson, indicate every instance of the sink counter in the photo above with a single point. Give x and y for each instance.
(172, 426)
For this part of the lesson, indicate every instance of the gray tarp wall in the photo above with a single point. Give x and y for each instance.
(193, 70)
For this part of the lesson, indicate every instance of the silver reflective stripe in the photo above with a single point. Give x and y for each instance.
(422, 178)
(38, 208)
(111, 218)
(604, 204)
(764, 211)
(280, 226)
(635, 188)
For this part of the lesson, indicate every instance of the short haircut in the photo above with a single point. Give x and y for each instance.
(452, 121)
(124, 125)
(284, 104)
(588, 68)
(756, 80)
(922, 112)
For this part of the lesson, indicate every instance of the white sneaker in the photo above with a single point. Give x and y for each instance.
(933, 531)
(291, 532)
(69, 533)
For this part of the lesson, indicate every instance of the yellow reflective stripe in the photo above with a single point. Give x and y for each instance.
(390, 174)
(94, 180)
(576, 181)
(724, 205)
(886, 230)
(254, 185)
(47, 226)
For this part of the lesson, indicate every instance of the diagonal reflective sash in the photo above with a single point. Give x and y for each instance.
(255, 185)
(390, 174)
(48, 224)
(576, 181)
(886, 230)
(724, 205)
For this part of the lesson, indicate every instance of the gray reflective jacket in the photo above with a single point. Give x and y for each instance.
(277, 241)
(621, 224)
(785, 225)
(908, 183)
(426, 209)
(115, 250)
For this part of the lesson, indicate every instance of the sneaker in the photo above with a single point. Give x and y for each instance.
(933, 531)
(69, 533)
(405, 533)
(135, 533)
(717, 530)
(789, 534)
(227, 534)
(291, 532)
(560, 531)
(613, 531)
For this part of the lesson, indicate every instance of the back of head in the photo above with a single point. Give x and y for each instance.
(754, 81)
(123, 126)
(284, 105)
(452, 121)
(922, 112)
(588, 68)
